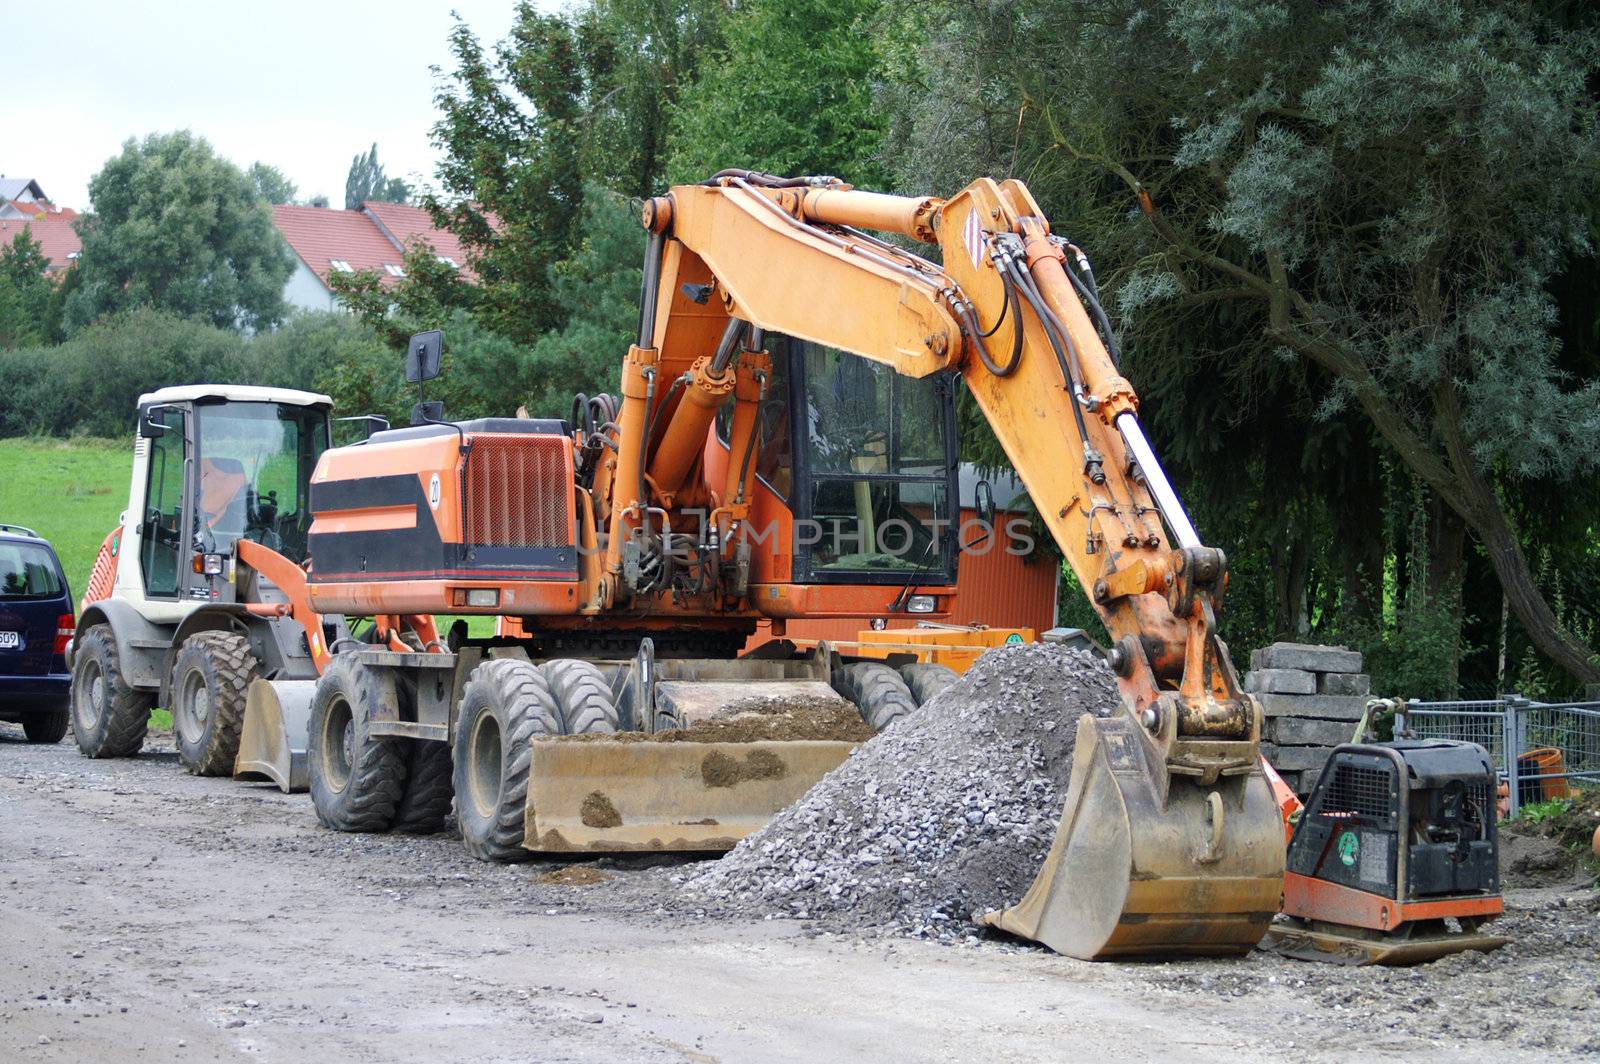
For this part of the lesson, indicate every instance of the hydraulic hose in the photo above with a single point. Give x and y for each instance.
(1048, 322)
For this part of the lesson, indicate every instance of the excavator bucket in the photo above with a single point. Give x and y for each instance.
(614, 795)
(1132, 876)
(272, 743)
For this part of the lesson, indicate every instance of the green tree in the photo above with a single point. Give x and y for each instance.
(26, 301)
(271, 184)
(1380, 191)
(173, 225)
(367, 181)
(791, 93)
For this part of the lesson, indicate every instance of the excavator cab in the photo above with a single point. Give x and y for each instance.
(864, 461)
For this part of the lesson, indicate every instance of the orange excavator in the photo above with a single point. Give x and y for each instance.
(782, 447)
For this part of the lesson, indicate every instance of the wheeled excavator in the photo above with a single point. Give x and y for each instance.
(782, 446)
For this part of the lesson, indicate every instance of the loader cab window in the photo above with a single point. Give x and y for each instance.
(254, 475)
(161, 525)
(876, 475)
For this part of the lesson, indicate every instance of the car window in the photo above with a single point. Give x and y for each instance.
(28, 571)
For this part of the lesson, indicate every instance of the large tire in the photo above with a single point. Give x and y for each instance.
(583, 698)
(49, 726)
(505, 705)
(109, 718)
(424, 808)
(356, 779)
(925, 681)
(879, 693)
(210, 676)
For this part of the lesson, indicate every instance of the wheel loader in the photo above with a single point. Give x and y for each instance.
(782, 446)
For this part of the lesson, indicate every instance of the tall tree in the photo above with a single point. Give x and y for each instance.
(1380, 190)
(791, 93)
(271, 184)
(367, 181)
(25, 293)
(173, 225)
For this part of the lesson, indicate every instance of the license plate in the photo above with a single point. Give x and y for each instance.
(9, 641)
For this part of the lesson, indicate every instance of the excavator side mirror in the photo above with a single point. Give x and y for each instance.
(983, 503)
(151, 425)
(422, 356)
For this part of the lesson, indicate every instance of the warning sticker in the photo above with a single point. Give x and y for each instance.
(1349, 848)
(972, 236)
(1374, 860)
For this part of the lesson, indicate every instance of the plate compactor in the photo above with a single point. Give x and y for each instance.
(1395, 859)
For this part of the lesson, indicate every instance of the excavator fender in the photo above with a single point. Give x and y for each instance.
(1131, 875)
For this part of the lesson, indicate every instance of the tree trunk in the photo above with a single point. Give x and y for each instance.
(1447, 541)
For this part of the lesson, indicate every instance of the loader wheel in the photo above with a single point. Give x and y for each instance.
(926, 681)
(583, 697)
(109, 718)
(209, 680)
(506, 705)
(356, 779)
(424, 808)
(49, 726)
(879, 693)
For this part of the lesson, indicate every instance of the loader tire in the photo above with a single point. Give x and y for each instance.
(505, 705)
(583, 697)
(212, 672)
(877, 690)
(356, 779)
(926, 681)
(424, 808)
(49, 726)
(109, 718)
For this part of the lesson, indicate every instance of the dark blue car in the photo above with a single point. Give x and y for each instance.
(35, 625)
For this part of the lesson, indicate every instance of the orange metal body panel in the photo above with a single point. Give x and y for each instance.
(103, 577)
(427, 456)
(400, 595)
(291, 580)
(1318, 899)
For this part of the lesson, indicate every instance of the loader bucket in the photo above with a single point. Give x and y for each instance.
(272, 743)
(616, 795)
(1131, 876)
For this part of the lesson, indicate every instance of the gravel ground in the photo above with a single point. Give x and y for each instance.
(952, 812)
(152, 915)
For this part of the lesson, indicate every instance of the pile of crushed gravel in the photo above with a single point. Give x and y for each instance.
(949, 812)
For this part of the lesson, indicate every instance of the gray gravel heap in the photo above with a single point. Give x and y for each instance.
(949, 812)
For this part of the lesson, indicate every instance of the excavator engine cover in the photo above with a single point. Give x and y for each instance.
(1133, 875)
(1396, 857)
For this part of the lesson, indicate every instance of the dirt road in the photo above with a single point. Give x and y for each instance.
(149, 915)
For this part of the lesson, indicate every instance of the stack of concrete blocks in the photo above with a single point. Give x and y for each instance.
(1312, 697)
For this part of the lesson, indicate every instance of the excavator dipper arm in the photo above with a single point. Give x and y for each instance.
(1170, 841)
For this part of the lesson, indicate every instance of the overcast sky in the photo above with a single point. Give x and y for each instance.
(299, 84)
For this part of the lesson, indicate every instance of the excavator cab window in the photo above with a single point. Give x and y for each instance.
(254, 474)
(874, 475)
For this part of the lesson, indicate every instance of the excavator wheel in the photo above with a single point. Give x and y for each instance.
(424, 807)
(926, 681)
(582, 696)
(879, 693)
(109, 718)
(505, 706)
(357, 780)
(212, 672)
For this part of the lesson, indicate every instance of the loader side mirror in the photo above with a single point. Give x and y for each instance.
(983, 502)
(371, 423)
(151, 425)
(422, 356)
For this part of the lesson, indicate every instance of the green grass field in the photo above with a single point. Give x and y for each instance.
(71, 492)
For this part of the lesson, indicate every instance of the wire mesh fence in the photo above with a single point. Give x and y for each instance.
(1542, 748)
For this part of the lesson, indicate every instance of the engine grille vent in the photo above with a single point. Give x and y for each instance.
(517, 492)
(1360, 791)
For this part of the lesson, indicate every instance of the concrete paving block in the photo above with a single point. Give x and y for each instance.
(1304, 759)
(1306, 656)
(1318, 707)
(1281, 681)
(1344, 683)
(1302, 731)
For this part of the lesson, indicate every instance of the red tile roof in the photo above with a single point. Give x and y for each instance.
(53, 233)
(319, 235)
(404, 225)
